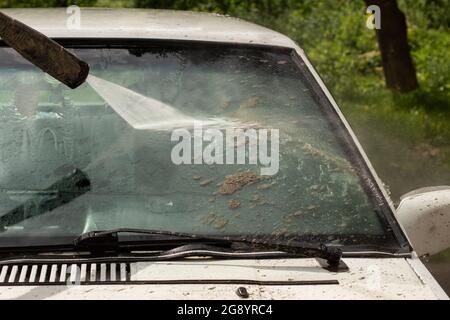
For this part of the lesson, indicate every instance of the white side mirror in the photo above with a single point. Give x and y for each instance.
(425, 216)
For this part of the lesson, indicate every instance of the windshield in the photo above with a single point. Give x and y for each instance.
(214, 140)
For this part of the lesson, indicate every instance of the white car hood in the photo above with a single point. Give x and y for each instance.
(373, 278)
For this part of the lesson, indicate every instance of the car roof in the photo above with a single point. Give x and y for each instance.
(149, 24)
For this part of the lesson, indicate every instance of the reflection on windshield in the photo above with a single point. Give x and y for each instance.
(70, 187)
(135, 183)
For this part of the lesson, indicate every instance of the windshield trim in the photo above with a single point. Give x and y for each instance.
(356, 155)
(118, 43)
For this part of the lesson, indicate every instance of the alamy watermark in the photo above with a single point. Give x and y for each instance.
(374, 17)
(73, 21)
(373, 279)
(231, 147)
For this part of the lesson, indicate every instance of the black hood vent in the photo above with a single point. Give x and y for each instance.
(64, 274)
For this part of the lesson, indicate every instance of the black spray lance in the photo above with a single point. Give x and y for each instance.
(43, 52)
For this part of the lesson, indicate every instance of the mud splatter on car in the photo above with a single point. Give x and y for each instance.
(238, 181)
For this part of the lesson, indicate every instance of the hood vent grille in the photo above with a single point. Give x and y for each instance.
(64, 274)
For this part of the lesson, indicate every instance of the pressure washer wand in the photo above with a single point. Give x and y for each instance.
(43, 52)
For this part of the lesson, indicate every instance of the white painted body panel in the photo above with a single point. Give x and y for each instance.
(426, 219)
(367, 279)
(149, 24)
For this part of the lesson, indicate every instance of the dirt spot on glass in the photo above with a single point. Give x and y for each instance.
(250, 103)
(238, 181)
(204, 183)
(208, 219)
(257, 200)
(234, 204)
(264, 186)
(215, 220)
(328, 157)
(226, 104)
(220, 223)
(288, 219)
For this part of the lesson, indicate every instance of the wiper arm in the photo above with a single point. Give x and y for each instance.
(108, 241)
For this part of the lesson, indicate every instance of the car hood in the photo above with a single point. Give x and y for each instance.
(374, 278)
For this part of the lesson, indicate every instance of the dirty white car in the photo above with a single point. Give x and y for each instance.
(134, 186)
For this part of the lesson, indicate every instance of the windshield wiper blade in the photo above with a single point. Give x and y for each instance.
(108, 241)
(64, 191)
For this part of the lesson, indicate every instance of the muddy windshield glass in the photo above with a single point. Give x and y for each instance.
(217, 141)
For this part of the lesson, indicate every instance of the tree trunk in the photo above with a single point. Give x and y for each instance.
(398, 67)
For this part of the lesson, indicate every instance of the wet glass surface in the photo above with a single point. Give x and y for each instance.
(48, 130)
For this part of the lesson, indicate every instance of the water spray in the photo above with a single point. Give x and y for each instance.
(142, 113)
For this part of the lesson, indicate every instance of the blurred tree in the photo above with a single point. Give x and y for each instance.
(398, 67)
